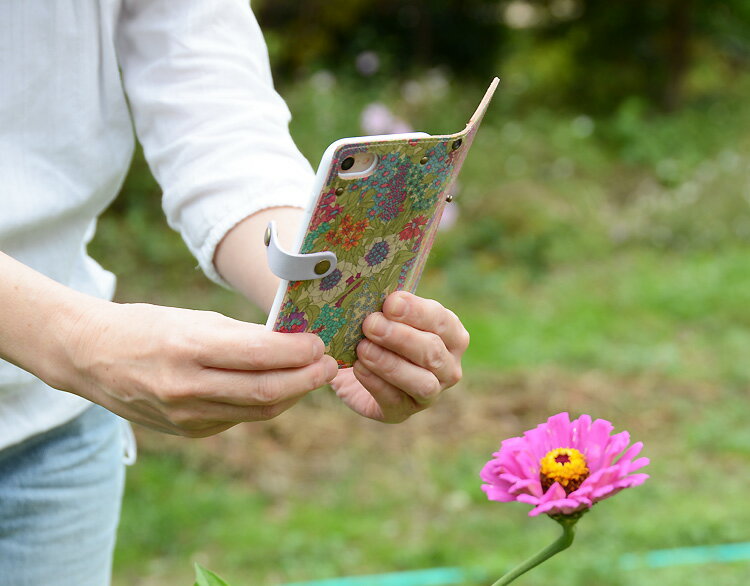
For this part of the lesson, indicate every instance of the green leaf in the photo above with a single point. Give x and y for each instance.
(204, 577)
(312, 311)
(402, 256)
(301, 301)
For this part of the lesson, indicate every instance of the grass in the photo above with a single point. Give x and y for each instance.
(683, 316)
(601, 266)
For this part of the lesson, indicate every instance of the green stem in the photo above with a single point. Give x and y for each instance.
(568, 524)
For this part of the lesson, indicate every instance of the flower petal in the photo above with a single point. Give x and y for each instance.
(491, 471)
(554, 492)
(558, 432)
(638, 464)
(528, 486)
(630, 453)
(616, 444)
(517, 463)
(528, 499)
(596, 444)
(580, 432)
(495, 493)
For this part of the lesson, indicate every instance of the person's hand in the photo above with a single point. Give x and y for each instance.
(192, 373)
(411, 353)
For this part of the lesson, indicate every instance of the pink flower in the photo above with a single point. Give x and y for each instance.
(449, 217)
(367, 63)
(563, 467)
(377, 118)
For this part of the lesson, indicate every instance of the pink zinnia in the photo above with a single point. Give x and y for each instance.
(563, 467)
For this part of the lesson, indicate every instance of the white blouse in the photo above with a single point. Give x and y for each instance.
(75, 77)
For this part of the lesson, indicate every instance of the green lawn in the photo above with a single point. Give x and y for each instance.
(683, 316)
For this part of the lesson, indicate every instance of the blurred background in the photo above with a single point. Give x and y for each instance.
(598, 251)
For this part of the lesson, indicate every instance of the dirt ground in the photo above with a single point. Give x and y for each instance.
(319, 436)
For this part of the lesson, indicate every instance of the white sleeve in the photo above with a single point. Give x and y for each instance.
(213, 129)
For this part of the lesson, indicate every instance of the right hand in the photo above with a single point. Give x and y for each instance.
(185, 372)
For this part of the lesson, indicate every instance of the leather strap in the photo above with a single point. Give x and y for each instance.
(296, 267)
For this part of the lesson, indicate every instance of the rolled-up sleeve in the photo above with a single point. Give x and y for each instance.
(213, 129)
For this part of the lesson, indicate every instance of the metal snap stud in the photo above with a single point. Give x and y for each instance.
(267, 237)
(457, 144)
(449, 198)
(339, 190)
(322, 267)
(424, 160)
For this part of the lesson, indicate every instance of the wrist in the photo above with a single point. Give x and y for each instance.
(68, 337)
(43, 324)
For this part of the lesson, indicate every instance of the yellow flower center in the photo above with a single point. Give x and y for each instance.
(565, 466)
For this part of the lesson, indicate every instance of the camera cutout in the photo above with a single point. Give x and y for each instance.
(358, 165)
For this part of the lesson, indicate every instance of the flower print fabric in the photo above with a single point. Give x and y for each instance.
(346, 233)
(378, 253)
(293, 321)
(413, 229)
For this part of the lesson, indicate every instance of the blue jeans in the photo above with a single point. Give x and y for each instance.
(60, 495)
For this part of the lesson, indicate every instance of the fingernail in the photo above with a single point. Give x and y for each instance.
(332, 368)
(397, 306)
(369, 350)
(378, 325)
(361, 369)
(318, 348)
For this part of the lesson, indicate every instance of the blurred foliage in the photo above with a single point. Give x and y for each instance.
(613, 51)
(394, 37)
(583, 53)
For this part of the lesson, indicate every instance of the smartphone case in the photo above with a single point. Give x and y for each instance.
(380, 228)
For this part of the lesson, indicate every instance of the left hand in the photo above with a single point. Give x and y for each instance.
(411, 353)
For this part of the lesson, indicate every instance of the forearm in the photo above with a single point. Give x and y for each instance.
(37, 318)
(180, 371)
(241, 256)
(40, 318)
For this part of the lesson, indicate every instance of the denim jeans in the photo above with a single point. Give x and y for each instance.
(60, 495)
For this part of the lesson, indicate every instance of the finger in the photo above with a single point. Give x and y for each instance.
(208, 418)
(242, 346)
(263, 388)
(429, 316)
(209, 415)
(162, 427)
(420, 384)
(392, 405)
(424, 349)
(193, 419)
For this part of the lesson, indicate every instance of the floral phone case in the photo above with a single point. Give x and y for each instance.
(380, 227)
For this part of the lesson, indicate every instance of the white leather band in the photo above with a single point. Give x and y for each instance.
(296, 267)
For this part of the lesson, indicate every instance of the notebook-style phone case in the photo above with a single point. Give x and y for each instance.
(366, 236)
